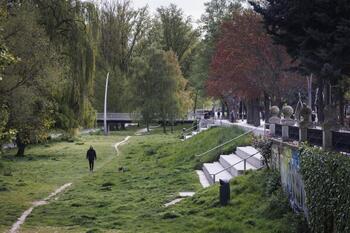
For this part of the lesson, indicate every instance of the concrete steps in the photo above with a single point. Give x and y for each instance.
(233, 163)
(245, 152)
(230, 161)
(210, 169)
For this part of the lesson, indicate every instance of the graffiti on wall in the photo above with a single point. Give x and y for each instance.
(287, 161)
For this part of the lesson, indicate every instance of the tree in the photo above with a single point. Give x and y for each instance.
(72, 27)
(27, 93)
(144, 96)
(158, 87)
(215, 13)
(316, 33)
(6, 59)
(123, 32)
(174, 32)
(247, 64)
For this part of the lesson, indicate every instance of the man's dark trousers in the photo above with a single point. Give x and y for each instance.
(91, 164)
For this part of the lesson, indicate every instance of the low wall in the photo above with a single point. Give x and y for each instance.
(286, 159)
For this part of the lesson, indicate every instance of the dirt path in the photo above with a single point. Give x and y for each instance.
(121, 143)
(16, 226)
(25, 214)
(144, 131)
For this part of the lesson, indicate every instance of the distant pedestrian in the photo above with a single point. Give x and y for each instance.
(218, 115)
(91, 156)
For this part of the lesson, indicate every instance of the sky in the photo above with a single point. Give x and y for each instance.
(193, 8)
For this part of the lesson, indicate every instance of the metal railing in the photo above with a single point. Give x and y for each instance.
(227, 168)
(229, 141)
(189, 131)
(116, 116)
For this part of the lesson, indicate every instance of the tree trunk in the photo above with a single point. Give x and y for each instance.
(222, 109)
(327, 94)
(266, 107)
(147, 126)
(250, 112)
(21, 146)
(253, 113)
(320, 102)
(164, 126)
(240, 115)
(195, 103)
(227, 110)
(341, 106)
(172, 126)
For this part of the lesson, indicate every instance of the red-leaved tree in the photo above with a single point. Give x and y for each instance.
(247, 64)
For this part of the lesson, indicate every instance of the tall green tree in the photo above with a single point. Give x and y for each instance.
(172, 30)
(28, 91)
(123, 32)
(158, 87)
(73, 27)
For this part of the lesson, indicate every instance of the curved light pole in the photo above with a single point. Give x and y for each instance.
(105, 107)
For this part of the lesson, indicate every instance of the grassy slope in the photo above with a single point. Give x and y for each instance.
(156, 168)
(251, 209)
(42, 170)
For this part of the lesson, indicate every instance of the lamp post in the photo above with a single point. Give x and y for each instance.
(105, 107)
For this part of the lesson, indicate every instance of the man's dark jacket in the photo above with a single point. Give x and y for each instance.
(91, 154)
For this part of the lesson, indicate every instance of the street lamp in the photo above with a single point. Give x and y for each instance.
(105, 107)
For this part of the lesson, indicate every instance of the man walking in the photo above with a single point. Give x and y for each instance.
(91, 156)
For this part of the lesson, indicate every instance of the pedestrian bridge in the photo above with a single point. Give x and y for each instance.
(118, 117)
(125, 118)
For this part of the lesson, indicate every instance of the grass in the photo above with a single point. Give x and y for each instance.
(128, 192)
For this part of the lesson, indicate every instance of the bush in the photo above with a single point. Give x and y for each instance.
(263, 145)
(150, 151)
(273, 182)
(326, 177)
(278, 205)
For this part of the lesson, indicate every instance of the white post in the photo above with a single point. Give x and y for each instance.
(309, 90)
(105, 107)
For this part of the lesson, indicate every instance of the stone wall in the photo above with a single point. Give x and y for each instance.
(286, 159)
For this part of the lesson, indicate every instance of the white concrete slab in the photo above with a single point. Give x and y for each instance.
(210, 169)
(245, 152)
(202, 179)
(229, 160)
(177, 200)
(186, 194)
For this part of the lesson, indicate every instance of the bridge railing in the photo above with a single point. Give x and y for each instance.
(118, 116)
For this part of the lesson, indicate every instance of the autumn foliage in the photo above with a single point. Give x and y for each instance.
(247, 64)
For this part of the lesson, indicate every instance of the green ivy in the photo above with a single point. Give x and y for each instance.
(326, 177)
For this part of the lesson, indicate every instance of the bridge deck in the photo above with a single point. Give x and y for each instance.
(127, 118)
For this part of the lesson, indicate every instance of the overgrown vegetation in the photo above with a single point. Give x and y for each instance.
(264, 145)
(257, 205)
(327, 177)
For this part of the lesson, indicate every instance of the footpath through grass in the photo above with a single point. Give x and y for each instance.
(128, 192)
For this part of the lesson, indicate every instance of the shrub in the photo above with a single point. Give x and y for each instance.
(326, 177)
(150, 151)
(273, 182)
(263, 145)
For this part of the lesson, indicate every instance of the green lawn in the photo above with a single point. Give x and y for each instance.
(155, 168)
